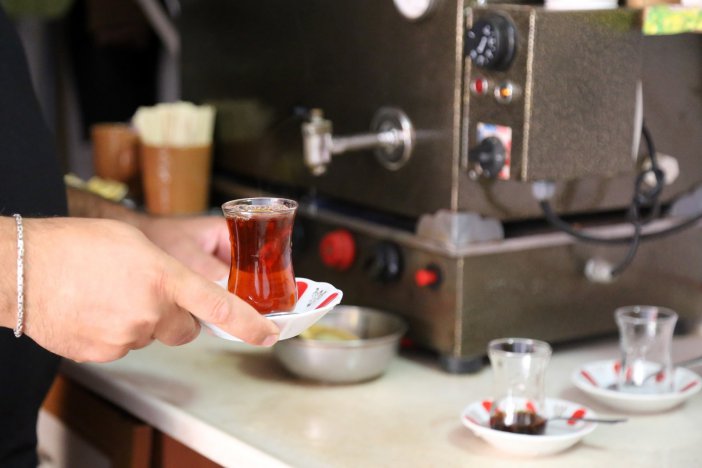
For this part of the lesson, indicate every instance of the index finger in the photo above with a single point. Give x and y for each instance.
(214, 304)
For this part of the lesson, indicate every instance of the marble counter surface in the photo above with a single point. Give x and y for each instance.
(236, 405)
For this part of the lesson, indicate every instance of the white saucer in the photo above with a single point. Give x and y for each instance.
(559, 435)
(314, 301)
(595, 378)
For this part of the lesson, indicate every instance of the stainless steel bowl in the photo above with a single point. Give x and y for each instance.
(348, 360)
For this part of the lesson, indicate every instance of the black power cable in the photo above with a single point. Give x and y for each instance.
(561, 225)
(643, 198)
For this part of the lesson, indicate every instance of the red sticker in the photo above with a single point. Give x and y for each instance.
(589, 378)
(688, 386)
(301, 288)
(327, 300)
(471, 420)
(577, 414)
(530, 406)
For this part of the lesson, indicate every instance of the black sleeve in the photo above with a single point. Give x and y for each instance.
(30, 184)
(30, 177)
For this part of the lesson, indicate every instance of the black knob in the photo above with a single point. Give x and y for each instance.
(384, 264)
(491, 42)
(488, 157)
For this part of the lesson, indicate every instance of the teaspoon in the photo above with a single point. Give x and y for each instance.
(280, 314)
(593, 420)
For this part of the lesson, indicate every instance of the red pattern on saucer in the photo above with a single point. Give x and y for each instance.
(598, 378)
(314, 300)
(578, 412)
(559, 435)
(610, 377)
(301, 287)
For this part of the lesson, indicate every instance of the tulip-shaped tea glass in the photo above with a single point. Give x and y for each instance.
(645, 341)
(260, 232)
(518, 368)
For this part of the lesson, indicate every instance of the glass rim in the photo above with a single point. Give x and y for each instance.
(229, 207)
(634, 314)
(538, 347)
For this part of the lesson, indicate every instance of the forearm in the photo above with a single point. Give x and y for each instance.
(8, 279)
(88, 205)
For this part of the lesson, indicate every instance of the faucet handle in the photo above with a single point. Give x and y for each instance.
(392, 137)
(317, 142)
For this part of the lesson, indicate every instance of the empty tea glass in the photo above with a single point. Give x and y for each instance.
(645, 341)
(260, 232)
(518, 368)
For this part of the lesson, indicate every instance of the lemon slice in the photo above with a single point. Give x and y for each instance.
(326, 333)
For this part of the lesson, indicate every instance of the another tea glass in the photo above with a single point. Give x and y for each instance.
(518, 367)
(645, 341)
(260, 232)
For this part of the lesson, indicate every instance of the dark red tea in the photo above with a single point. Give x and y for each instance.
(524, 422)
(261, 271)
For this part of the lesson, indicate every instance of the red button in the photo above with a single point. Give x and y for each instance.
(479, 86)
(426, 277)
(337, 249)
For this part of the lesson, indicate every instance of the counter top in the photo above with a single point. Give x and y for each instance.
(237, 406)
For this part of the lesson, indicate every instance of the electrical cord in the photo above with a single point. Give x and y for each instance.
(643, 197)
(561, 225)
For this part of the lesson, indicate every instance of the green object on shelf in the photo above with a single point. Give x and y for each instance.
(667, 19)
(48, 9)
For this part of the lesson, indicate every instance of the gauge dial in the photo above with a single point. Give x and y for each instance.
(415, 9)
(491, 42)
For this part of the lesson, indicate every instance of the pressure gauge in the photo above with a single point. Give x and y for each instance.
(415, 9)
(491, 42)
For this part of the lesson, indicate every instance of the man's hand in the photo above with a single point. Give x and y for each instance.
(201, 243)
(95, 289)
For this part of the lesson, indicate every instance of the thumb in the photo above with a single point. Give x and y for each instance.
(214, 304)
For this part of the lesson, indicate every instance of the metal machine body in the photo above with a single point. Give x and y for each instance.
(572, 111)
(565, 76)
(529, 285)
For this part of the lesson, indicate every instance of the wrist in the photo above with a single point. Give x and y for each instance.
(8, 282)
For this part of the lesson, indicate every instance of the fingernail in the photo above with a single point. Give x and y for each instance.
(270, 340)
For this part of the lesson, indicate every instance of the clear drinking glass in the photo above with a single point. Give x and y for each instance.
(518, 368)
(645, 341)
(260, 232)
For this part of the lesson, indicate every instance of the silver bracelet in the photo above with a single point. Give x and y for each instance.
(20, 276)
